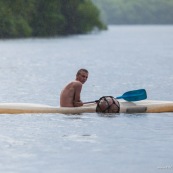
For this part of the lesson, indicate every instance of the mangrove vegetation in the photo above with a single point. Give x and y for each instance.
(42, 18)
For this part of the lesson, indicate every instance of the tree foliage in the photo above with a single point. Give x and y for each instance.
(38, 18)
(136, 11)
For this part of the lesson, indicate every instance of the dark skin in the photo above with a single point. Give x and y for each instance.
(70, 95)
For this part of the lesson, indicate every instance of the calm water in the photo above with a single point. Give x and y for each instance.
(121, 59)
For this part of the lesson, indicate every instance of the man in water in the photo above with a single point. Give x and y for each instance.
(70, 95)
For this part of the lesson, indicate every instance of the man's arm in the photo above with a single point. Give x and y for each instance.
(77, 102)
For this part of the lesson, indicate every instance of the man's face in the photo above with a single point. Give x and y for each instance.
(82, 77)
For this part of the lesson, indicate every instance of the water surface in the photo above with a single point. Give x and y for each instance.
(121, 59)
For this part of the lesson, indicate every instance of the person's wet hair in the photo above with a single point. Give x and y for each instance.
(82, 69)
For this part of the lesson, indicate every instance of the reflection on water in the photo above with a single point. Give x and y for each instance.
(121, 59)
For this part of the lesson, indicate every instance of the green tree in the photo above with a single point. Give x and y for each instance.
(38, 18)
(89, 17)
(80, 16)
(47, 19)
(12, 19)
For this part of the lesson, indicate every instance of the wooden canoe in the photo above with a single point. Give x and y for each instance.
(144, 106)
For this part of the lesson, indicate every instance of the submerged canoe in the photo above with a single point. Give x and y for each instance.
(145, 106)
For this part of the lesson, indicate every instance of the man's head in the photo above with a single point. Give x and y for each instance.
(82, 75)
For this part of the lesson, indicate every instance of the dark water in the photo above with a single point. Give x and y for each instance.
(121, 59)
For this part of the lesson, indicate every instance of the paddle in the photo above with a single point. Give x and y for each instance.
(134, 95)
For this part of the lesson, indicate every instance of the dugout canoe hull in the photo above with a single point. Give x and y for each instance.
(145, 106)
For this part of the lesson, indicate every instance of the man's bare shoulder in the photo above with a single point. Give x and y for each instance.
(77, 83)
(73, 84)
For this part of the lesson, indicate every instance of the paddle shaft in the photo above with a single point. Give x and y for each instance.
(134, 95)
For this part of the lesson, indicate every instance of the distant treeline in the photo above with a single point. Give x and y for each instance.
(136, 11)
(39, 18)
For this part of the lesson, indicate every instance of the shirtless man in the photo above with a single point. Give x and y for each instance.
(70, 95)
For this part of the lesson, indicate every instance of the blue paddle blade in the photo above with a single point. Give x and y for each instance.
(134, 95)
